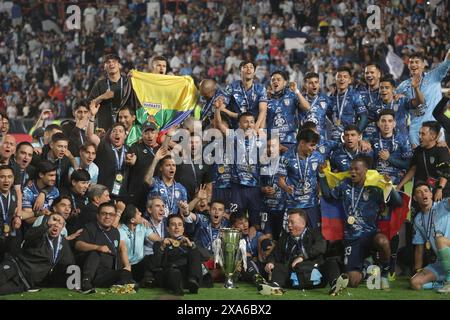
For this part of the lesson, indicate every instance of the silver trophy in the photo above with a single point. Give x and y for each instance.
(229, 252)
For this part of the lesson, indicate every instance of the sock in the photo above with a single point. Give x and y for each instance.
(385, 267)
(444, 256)
(394, 249)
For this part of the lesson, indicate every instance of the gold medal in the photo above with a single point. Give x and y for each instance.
(175, 243)
(221, 169)
(351, 220)
(6, 228)
(428, 245)
(338, 122)
(119, 177)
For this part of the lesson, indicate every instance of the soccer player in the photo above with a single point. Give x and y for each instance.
(298, 176)
(348, 106)
(392, 150)
(423, 83)
(341, 157)
(319, 103)
(432, 231)
(283, 106)
(370, 95)
(247, 96)
(362, 205)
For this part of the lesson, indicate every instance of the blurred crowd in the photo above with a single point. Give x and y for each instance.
(44, 63)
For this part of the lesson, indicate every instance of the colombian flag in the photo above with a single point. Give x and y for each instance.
(164, 99)
(333, 217)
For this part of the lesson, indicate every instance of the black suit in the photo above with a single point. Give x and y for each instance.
(178, 265)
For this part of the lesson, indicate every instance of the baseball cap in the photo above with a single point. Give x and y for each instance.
(149, 126)
(111, 56)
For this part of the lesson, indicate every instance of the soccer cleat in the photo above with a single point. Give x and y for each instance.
(86, 287)
(258, 279)
(445, 289)
(338, 285)
(385, 283)
(391, 276)
(33, 289)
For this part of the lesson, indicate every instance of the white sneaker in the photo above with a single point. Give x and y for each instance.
(385, 283)
(445, 289)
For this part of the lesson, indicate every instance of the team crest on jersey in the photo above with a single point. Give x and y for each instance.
(287, 101)
(396, 107)
(366, 196)
(177, 194)
(314, 166)
(432, 160)
(322, 149)
(323, 104)
(116, 243)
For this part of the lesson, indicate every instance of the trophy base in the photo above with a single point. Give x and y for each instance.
(229, 284)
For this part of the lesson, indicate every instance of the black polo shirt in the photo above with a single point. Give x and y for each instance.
(94, 234)
(144, 158)
(106, 162)
(109, 108)
(21, 177)
(191, 176)
(432, 157)
(7, 212)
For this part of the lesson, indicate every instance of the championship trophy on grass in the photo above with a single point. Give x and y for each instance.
(229, 252)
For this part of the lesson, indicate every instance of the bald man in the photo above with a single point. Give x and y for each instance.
(7, 149)
(210, 91)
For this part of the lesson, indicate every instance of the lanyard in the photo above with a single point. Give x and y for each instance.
(170, 203)
(210, 234)
(112, 243)
(296, 243)
(24, 175)
(121, 86)
(206, 110)
(245, 95)
(132, 237)
(314, 101)
(425, 163)
(429, 224)
(349, 154)
(274, 173)
(302, 176)
(195, 173)
(55, 252)
(391, 106)
(149, 149)
(250, 148)
(370, 94)
(249, 244)
(119, 162)
(156, 230)
(73, 201)
(354, 205)
(340, 109)
(81, 136)
(381, 142)
(5, 212)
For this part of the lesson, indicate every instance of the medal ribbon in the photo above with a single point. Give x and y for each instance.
(340, 109)
(354, 205)
(55, 252)
(170, 203)
(119, 162)
(5, 212)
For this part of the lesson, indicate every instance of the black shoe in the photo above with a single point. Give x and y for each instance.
(193, 286)
(148, 283)
(87, 287)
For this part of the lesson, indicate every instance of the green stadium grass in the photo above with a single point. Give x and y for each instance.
(399, 291)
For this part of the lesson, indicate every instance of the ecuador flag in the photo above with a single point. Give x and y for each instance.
(333, 217)
(164, 99)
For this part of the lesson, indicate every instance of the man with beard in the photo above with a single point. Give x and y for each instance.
(43, 250)
(423, 83)
(362, 205)
(113, 158)
(105, 260)
(283, 108)
(319, 103)
(347, 107)
(111, 93)
(432, 231)
(340, 158)
(246, 96)
(144, 150)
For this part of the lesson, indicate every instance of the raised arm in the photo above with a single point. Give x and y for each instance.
(161, 153)
(92, 137)
(303, 104)
(419, 98)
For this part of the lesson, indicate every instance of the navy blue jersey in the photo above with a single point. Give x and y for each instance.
(245, 170)
(245, 101)
(367, 204)
(318, 112)
(326, 147)
(252, 245)
(208, 109)
(171, 195)
(282, 115)
(205, 233)
(345, 109)
(302, 174)
(399, 148)
(269, 178)
(341, 158)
